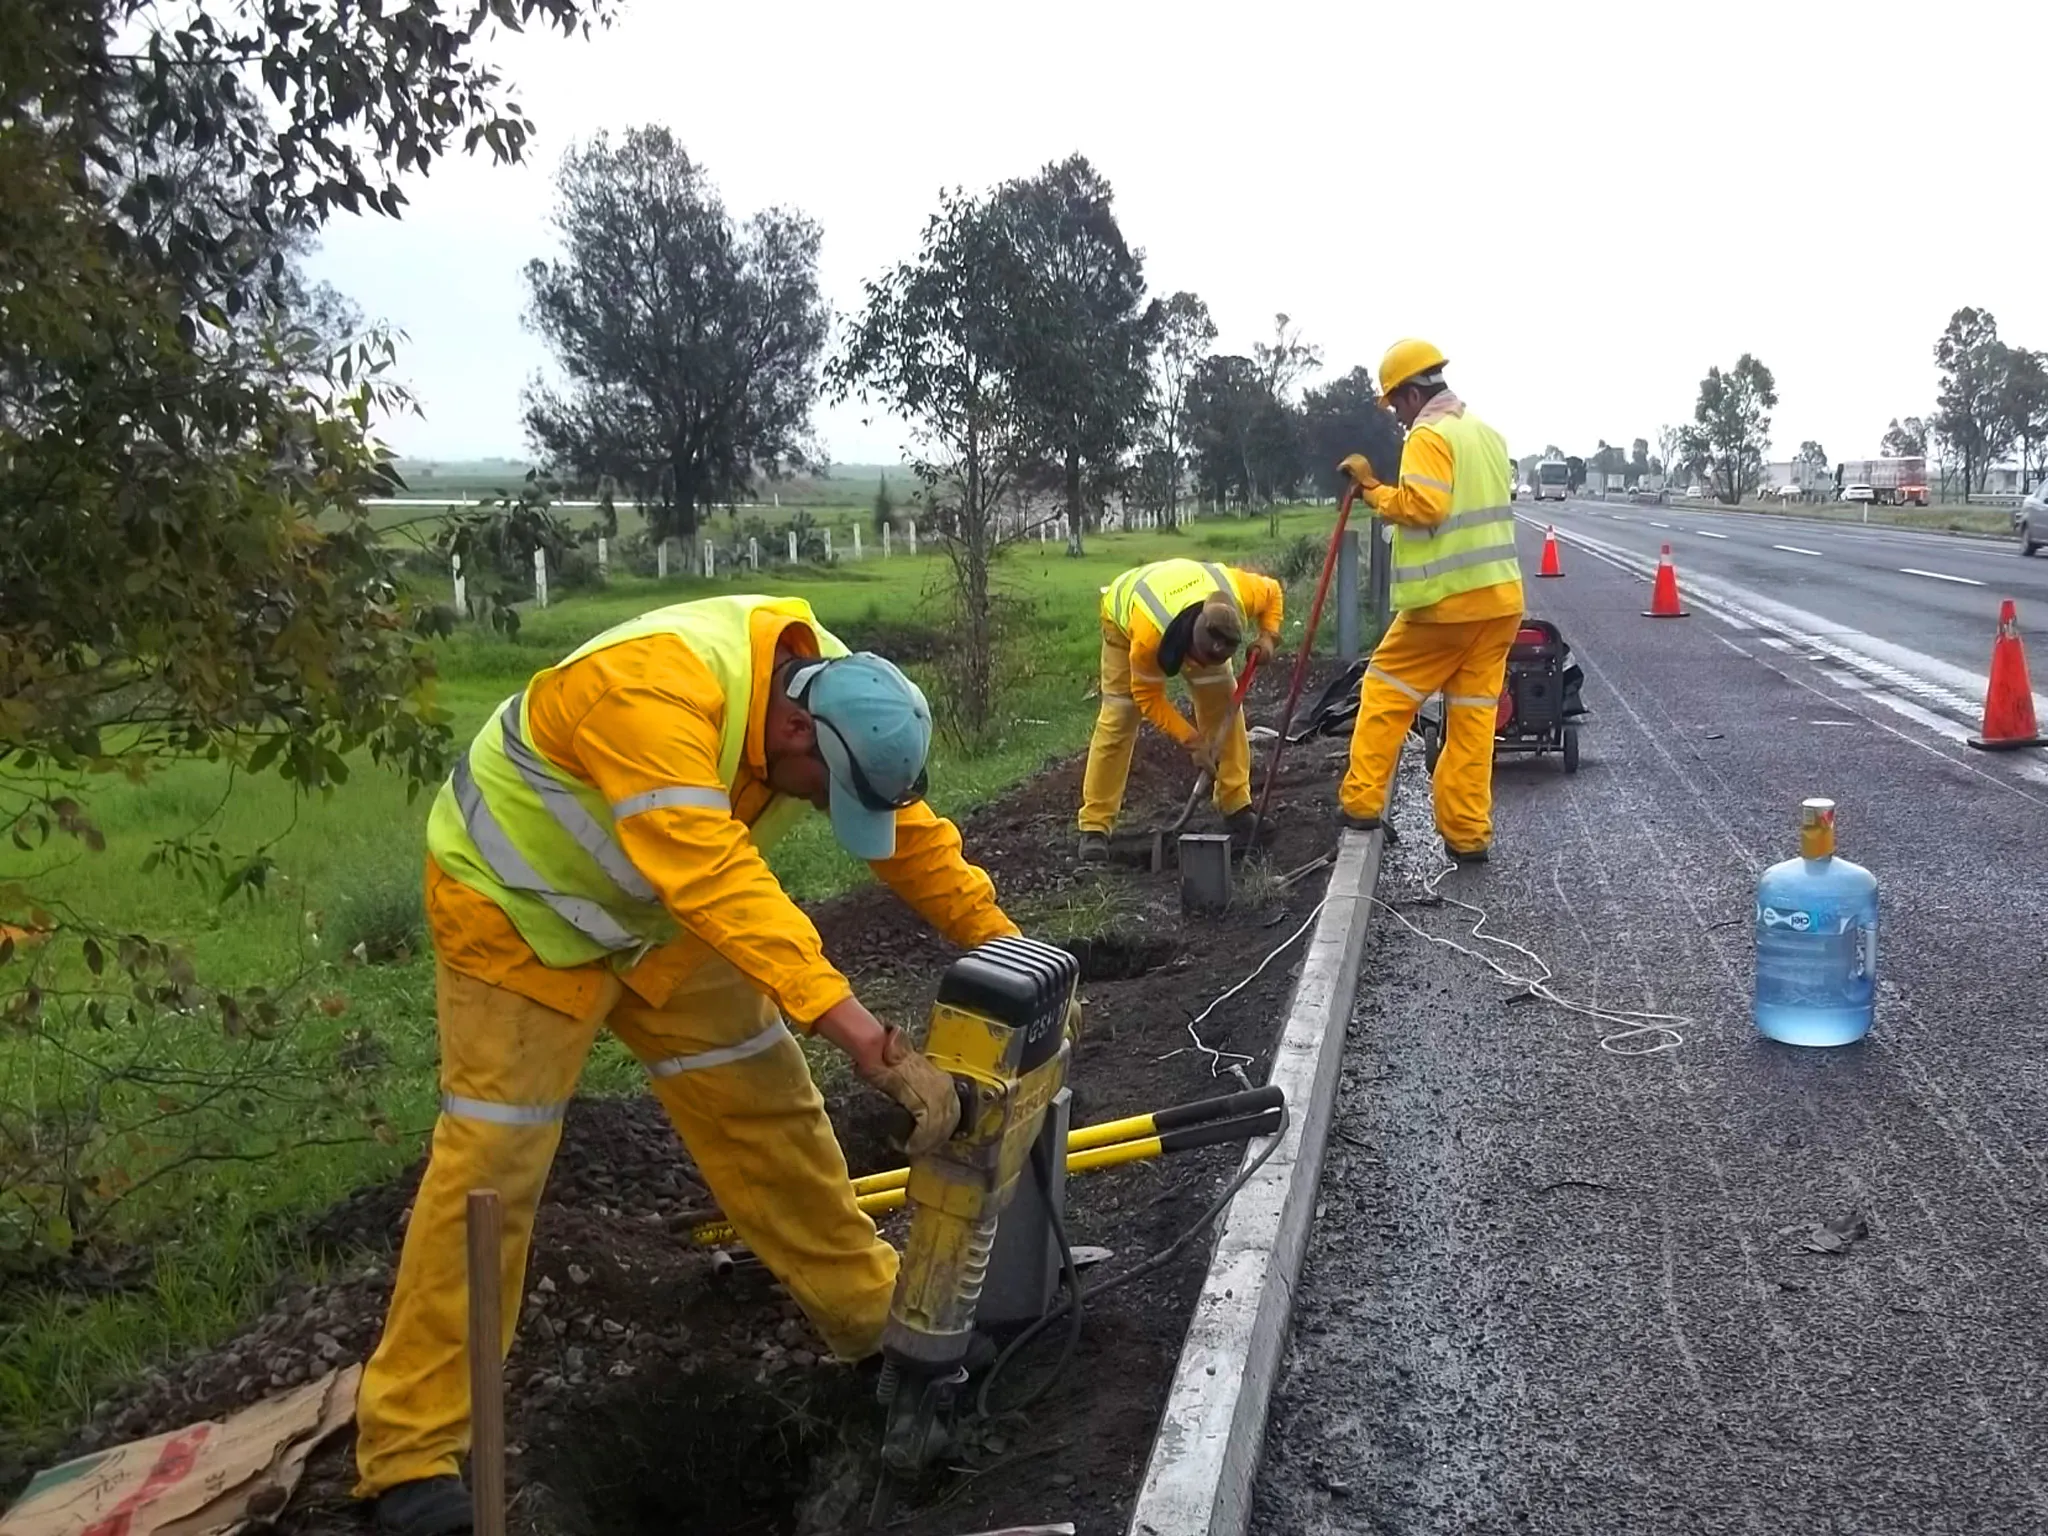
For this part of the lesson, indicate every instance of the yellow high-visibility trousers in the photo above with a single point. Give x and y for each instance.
(1467, 662)
(736, 1087)
(1116, 735)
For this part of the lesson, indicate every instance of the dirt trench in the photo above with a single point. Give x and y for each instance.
(648, 1394)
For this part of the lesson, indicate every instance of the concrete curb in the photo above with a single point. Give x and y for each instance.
(1199, 1479)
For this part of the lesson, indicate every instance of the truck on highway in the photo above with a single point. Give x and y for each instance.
(1892, 482)
(1550, 480)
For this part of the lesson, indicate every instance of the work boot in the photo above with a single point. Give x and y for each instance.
(1093, 848)
(1239, 824)
(1368, 824)
(1465, 856)
(433, 1506)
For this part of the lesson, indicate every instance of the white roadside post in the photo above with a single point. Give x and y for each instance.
(540, 577)
(604, 559)
(710, 560)
(754, 553)
(792, 546)
(828, 546)
(885, 541)
(461, 587)
(856, 541)
(913, 536)
(661, 560)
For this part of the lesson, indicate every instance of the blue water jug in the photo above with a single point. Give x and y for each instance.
(1816, 941)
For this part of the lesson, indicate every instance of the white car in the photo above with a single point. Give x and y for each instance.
(1858, 493)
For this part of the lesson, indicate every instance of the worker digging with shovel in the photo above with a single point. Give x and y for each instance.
(1186, 619)
(596, 860)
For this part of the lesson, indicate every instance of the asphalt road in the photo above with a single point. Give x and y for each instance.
(1563, 1291)
(1936, 593)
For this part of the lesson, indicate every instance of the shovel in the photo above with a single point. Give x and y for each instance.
(1172, 829)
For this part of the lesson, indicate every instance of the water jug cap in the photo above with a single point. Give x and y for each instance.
(1817, 828)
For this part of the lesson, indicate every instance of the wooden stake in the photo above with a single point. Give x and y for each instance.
(486, 1364)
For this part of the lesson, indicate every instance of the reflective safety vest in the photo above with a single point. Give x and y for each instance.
(541, 843)
(1474, 546)
(1164, 588)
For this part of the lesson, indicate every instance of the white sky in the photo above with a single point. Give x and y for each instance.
(1614, 196)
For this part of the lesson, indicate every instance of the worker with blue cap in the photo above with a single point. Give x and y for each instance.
(597, 860)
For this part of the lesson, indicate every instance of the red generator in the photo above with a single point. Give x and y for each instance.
(1539, 707)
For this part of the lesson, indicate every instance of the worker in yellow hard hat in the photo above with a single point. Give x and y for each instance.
(596, 860)
(1186, 619)
(1457, 596)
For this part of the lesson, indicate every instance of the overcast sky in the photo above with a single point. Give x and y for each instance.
(1584, 204)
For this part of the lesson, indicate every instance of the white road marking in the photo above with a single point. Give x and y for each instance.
(1655, 524)
(1794, 549)
(1963, 581)
(1703, 533)
(1892, 675)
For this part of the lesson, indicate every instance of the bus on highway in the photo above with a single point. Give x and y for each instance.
(1550, 480)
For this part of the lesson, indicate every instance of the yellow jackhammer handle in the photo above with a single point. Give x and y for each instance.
(880, 1196)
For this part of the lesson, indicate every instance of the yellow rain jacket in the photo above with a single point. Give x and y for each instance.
(1139, 605)
(634, 715)
(595, 862)
(1457, 592)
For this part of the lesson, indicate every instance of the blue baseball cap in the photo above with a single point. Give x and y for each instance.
(874, 733)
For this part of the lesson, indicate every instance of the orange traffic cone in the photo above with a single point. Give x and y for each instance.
(1664, 602)
(1551, 566)
(2009, 701)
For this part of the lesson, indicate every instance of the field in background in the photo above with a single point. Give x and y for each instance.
(473, 480)
(349, 873)
(1943, 517)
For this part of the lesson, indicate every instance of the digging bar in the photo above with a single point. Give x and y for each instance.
(486, 1364)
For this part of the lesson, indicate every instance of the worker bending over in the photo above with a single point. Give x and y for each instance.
(596, 859)
(1457, 597)
(1186, 619)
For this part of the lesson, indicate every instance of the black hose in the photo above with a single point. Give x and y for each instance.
(1071, 1305)
(1077, 1294)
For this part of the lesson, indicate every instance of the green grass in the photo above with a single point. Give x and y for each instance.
(1943, 517)
(348, 871)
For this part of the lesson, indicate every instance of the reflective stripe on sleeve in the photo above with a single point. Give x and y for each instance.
(703, 797)
(1429, 480)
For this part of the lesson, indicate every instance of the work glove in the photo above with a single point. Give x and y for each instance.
(1266, 646)
(1072, 1028)
(908, 1076)
(1355, 465)
(1202, 756)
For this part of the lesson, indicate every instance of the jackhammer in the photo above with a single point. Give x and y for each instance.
(999, 1027)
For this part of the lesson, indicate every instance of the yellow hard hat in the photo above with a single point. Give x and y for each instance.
(1407, 359)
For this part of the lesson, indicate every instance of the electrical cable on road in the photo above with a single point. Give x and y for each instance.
(1633, 1024)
